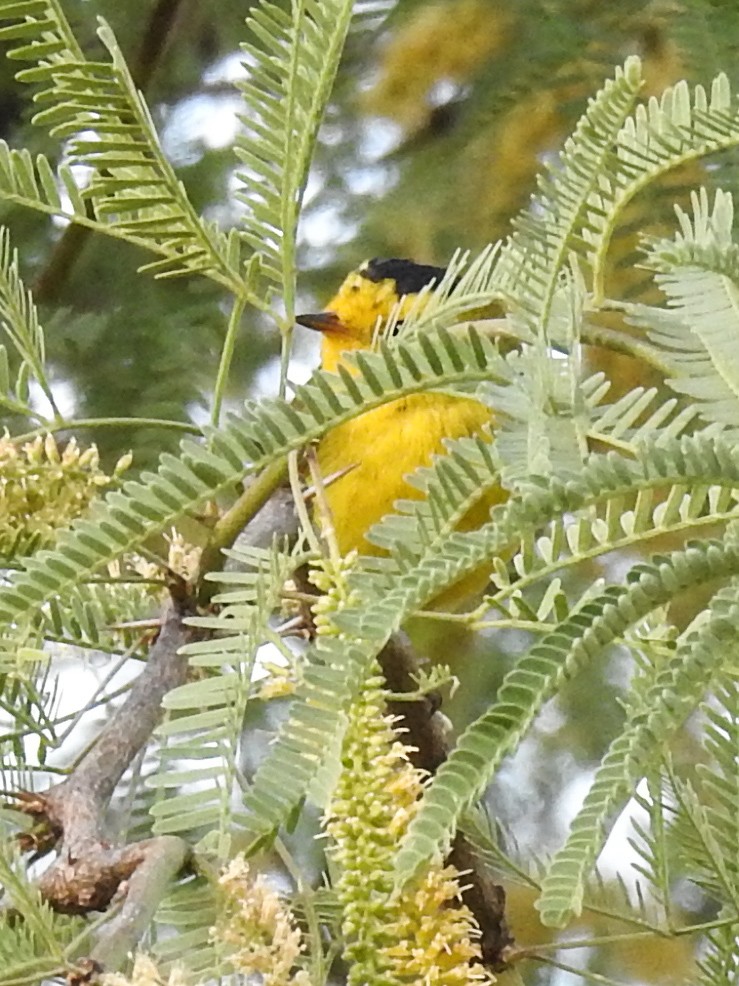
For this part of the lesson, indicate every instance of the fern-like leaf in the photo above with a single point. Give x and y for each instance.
(665, 133)
(720, 780)
(332, 675)
(206, 716)
(719, 963)
(96, 108)
(676, 692)
(36, 947)
(558, 656)
(190, 911)
(699, 272)
(531, 261)
(20, 321)
(291, 71)
(711, 467)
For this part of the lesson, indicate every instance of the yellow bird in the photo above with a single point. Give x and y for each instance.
(377, 450)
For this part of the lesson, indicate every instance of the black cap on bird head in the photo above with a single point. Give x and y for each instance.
(409, 276)
(369, 295)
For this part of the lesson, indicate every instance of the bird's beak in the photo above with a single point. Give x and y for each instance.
(322, 322)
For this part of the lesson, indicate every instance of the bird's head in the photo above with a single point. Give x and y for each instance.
(367, 297)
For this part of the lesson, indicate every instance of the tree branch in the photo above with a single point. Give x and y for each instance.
(97, 775)
(89, 870)
(163, 860)
(428, 733)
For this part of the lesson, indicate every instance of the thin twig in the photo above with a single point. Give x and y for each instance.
(53, 427)
(94, 700)
(304, 521)
(322, 508)
(259, 495)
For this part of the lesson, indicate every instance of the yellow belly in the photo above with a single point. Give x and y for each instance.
(384, 446)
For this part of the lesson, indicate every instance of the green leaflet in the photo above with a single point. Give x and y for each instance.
(291, 74)
(698, 270)
(190, 910)
(717, 963)
(247, 443)
(699, 461)
(96, 107)
(333, 673)
(22, 327)
(661, 135)
(650, 724)
(533, 257)
(38, 945)
(557, 657)
(207, 715)
(721, 741)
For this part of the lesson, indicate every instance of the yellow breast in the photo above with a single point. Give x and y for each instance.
(384, 446)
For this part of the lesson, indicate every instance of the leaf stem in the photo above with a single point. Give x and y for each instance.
(230, 525)
(305, 897)
(52, 427)
(224, 367)
(621, 342)
(300, 506)
(592, 977)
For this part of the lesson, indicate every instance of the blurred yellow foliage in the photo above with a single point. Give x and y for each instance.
(440, 42)
(475, 178)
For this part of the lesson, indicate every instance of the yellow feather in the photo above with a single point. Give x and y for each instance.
(382, 447)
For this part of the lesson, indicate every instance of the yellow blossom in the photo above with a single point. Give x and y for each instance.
(183, 559)
(331, 579)
(43, 487)
(423, 934)
(257, 929)
(279, 683)
(145, 973)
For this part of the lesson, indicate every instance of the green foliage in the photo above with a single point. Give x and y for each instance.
(204, 718)
(698, 272)
(543, 237)
(669, 474)
(39, 945)
(291, 73)
(133, 192)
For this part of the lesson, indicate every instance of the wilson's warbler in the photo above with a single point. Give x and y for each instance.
(375, 452)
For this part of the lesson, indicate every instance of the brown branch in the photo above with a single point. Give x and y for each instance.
(428, 734)
(164, 858)
(426, 729)
(89, 871)
(81, 797)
